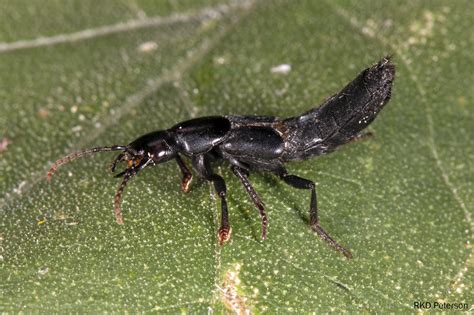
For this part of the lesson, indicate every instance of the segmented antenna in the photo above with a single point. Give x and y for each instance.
(118, 196)
(75, 155)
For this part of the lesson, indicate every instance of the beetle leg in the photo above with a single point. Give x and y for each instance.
(118, 196)
(301, 183)
(201, 164)
(241, 174)
(118, 159)
(187, 175)
(361, 137)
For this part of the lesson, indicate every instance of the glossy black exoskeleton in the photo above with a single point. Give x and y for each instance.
(258, 143)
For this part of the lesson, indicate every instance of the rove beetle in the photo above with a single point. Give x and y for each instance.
(257, 143)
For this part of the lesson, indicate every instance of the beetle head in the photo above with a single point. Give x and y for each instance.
(150, 149)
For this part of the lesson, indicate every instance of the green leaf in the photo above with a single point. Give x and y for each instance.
(80, 73)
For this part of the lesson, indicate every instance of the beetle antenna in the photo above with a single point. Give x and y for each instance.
(118, 196)
(75, 155)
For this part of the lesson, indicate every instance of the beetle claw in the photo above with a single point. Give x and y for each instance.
(224, 234)
(186, 182)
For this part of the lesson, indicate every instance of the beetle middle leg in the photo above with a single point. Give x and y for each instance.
(187, 175)
(301, 183)
(202, 166)
(243, 176)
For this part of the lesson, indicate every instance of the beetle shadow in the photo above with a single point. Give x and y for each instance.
(250, 218)
(248, 212)
(294, 205)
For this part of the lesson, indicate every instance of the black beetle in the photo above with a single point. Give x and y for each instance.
(258, 143)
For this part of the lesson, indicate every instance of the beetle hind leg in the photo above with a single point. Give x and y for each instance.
(361, 137)
(301, 183)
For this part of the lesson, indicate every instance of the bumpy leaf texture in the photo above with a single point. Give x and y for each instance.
(83, 73)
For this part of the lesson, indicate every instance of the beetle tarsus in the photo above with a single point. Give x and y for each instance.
(50, 173)
(224, 234)
(186, 183)
(316, 227)
(301, 183)
(187, 175)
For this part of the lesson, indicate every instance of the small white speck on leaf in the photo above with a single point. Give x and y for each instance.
(147, 46)
(220, 60)
(43, 271)
(76, 128)
(4, 144)
(283, 69)
(19, 189)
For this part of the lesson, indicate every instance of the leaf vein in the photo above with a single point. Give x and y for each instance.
(431, 143)
(207, 13)
(131, 102)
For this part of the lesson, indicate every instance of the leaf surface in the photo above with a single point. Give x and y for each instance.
(73, 77)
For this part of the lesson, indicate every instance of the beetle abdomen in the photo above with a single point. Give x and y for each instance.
(342, 116)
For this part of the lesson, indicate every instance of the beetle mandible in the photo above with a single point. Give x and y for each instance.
(257, 143)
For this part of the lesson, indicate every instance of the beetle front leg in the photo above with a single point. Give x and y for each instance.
(201, 164)
(187, 175)
(225, 229)
(240, 173)
(301, 183)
